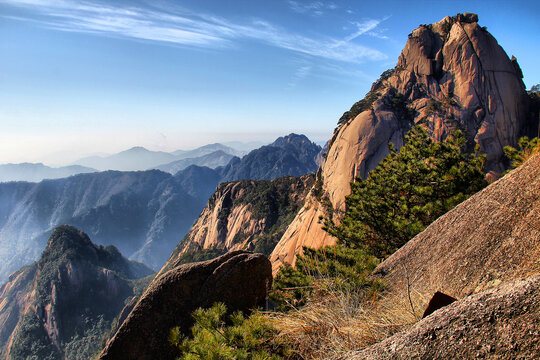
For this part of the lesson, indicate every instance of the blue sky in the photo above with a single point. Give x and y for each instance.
(84, 77)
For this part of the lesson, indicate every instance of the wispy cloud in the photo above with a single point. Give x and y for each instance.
(193, 29)
(314, 8)
(300, 74)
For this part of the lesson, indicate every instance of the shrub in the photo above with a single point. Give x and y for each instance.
(217, 336)
(527, 148)
(335, 268)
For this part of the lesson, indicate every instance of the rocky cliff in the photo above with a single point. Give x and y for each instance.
(62, 305)
(243, 215)
(451, 75)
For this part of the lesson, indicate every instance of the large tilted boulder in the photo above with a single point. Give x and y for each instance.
(501, 323)
(239, 279)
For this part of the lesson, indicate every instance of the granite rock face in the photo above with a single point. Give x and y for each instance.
(239, 279)
(451, 75)
(491, 238)
(243, 215)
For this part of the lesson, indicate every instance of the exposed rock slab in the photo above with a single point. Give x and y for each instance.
(491, 238)
(501, 323)
(239, 279)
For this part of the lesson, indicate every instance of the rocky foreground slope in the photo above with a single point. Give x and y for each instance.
(484, 253)
(501, 323)
(451, 75)
(62, 305)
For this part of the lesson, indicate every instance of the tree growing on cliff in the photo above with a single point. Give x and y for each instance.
(407, 191)
(527, 148)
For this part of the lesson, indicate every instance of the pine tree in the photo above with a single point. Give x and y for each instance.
(407, 191)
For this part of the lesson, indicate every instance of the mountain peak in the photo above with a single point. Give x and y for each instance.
(67, 237)
(137, 149)
(292, 138)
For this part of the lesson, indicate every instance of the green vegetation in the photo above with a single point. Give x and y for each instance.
(336, 267)
(196, 255)
(367, 102)
(219, 336)
(407, 191)
(527, 148)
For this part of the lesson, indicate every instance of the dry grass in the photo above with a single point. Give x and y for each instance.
(336, 321)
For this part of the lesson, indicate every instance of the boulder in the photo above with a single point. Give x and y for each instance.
(239, 279)
(501, 323)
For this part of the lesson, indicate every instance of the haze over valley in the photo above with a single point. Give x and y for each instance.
(366, 173)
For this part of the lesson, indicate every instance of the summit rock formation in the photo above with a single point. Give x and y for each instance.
(61, 306)
(451, 75)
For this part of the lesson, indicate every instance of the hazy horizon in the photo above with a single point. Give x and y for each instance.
(80, 78)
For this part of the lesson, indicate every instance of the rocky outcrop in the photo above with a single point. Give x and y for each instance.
(243, 215)
(61, 306)
(491, 238)
(238, 279)
(501, 323)
(451, 75)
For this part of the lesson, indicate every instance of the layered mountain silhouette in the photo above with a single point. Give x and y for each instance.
(145, 214)
(213, 160)
(37, 172)
(62, 305)
(139, 158)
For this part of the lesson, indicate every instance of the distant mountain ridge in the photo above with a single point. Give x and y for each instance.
(213, 160)
(139, 158)
(145, 213)
(35, 172)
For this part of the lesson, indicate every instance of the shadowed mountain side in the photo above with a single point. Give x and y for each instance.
(130, 210)
(291, 155)
(63, 305)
